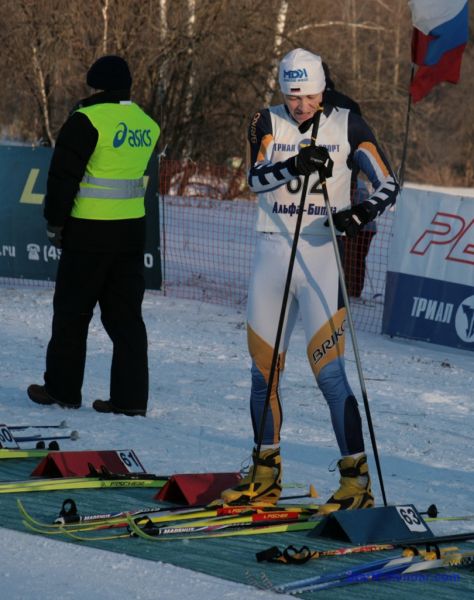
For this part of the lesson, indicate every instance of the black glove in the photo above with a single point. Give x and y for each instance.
(314, 158)
(352, 220)
(55, 235)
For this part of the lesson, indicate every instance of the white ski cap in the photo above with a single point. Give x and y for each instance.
(301, 73)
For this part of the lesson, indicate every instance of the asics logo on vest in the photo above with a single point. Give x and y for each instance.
(295, 74)
(136, 137)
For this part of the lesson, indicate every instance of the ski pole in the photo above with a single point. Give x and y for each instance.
(271, 377)
(62, 425)
(353, 335)
(377, 571)
(299, 556)
(306, 584)
(74, 435)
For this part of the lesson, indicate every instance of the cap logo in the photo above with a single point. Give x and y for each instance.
(301, 74)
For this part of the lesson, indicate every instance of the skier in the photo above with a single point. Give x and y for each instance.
(355, 249)
(281, 156)
(94, 207)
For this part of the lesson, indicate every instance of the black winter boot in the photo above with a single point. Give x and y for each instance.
(40, 395)
(106, 406)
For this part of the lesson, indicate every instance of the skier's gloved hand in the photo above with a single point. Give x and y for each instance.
(352, 220)
(314, 158)
(55, 235)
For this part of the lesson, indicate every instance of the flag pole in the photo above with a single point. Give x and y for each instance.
(401, 171)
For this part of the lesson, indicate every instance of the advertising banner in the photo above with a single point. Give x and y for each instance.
(25, 252)
(430, 279)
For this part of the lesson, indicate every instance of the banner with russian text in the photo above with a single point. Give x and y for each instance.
(25, 252)
(430, 278)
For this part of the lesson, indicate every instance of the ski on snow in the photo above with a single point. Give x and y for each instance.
(39, 452)
(212, 516)
(79, 483)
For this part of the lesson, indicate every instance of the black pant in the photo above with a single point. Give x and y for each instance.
(354, 254)
(116, 282)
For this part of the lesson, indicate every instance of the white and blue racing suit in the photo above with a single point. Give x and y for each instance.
(274, 139)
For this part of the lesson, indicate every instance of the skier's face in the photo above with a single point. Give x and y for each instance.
(303, 108)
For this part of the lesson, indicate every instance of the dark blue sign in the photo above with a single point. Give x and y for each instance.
(427, 309)
(25, 252)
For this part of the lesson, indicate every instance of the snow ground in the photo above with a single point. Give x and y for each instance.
(420, 396)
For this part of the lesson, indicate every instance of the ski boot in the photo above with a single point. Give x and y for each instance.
(354, 486)
(264, 487)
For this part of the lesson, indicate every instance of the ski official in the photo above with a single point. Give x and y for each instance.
(94, 208)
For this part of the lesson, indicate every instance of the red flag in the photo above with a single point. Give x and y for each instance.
(438, 42)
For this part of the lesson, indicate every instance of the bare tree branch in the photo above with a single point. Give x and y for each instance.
(368, 26)
(278, 40)
(105, 19)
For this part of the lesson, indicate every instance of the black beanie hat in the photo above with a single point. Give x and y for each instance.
(109, 73)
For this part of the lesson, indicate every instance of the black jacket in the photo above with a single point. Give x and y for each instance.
(336, 98)
(75, 144)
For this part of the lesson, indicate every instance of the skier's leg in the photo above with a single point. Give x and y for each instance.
(263, 482)
(324, 319)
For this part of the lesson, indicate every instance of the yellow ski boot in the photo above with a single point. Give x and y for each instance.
(264, 487)
(354, 486)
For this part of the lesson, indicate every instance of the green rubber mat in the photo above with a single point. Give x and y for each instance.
(17, 468)
(231, 558)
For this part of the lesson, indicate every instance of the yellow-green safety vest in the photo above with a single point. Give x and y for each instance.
(112, 186)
